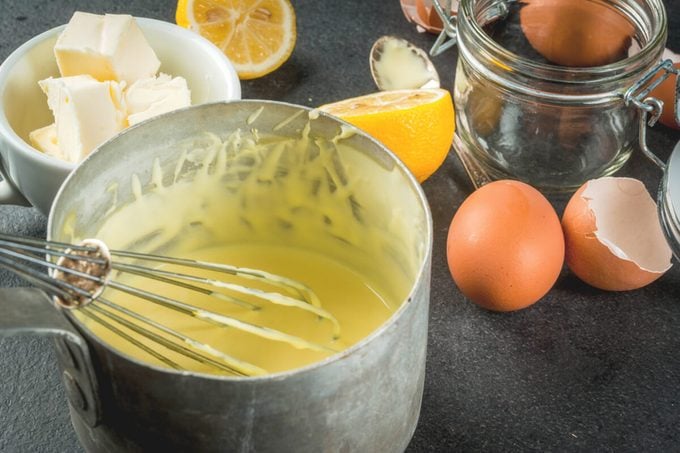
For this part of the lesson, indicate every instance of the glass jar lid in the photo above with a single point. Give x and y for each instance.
(669, 201)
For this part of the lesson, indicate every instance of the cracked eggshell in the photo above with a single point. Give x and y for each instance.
(613, 237)
(424, 15)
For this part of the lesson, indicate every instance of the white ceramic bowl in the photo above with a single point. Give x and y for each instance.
(31, 177)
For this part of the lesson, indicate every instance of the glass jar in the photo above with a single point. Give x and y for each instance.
(520, 115)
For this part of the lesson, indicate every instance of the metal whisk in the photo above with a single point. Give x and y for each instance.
(78, 274)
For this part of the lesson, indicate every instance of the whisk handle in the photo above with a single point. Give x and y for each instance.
(30, 311)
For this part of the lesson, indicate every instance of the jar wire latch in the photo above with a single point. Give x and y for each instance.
(650, 107)
(448, 37)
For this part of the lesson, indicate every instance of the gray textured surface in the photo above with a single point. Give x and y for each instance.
(582, 370)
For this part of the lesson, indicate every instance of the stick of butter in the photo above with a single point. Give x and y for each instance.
(108, 47)
(87, 112)
(45, 139)
(150, 97)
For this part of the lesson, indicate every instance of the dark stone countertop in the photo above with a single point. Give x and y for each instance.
(582, 370)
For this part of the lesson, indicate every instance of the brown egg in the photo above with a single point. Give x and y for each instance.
(666, 93)
(505, 246)
(576, 33)
(613, 237)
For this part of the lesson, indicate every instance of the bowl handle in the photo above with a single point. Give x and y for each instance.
(9, 194)
(30, 311)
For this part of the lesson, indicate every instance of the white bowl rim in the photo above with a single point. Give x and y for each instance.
(217, 56)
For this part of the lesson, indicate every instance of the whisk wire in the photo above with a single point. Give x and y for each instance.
(50, 265)
(91, 313)
(29, 274)
(72, 285)
(244, 272)
(159, 275)
(273, 297)
(217, 318)
(43, 245)
(57, 287)
(230, 364)
(61, 253)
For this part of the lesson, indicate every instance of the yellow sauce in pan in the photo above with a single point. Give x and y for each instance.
(286, 206)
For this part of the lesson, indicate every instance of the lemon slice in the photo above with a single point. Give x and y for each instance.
(416, 125)
(258, 36)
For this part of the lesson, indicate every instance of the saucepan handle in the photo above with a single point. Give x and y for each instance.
(30, 311)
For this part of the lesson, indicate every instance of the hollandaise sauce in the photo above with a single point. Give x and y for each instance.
(311, 210)
(358, 308)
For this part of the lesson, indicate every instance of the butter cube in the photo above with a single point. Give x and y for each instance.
(108, 47)
(150, 97)
(86, 112)
(45, 140)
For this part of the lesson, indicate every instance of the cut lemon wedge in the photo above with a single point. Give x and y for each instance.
(416, 125)
(258, 36)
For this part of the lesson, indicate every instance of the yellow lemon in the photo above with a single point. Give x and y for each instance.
(416, 125)
(258, 36)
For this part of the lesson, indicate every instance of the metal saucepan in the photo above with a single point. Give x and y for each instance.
(366, 398)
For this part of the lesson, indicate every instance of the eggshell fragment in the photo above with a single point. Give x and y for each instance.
(505, 246)
(576, 33)
(428, 14)
(424, 14)
(613, 236)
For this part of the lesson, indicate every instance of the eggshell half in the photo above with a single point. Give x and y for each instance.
(613, 236)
